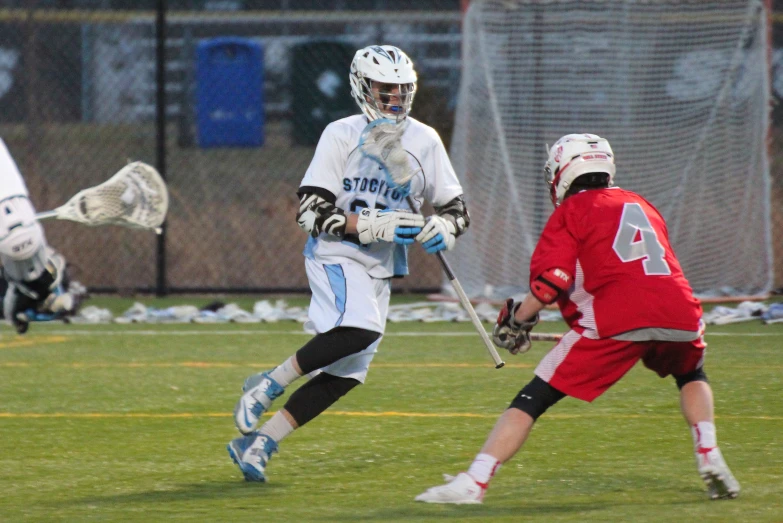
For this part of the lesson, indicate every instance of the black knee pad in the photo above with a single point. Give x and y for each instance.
(317, 395)
(330, 346)
(536, 397)
(696, 375)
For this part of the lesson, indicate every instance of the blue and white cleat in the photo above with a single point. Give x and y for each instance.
(259, 392)
(251, 453)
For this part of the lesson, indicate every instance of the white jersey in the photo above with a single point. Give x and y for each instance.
(11, 181)
(356, 182)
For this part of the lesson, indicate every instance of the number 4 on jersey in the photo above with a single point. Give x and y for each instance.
(636, 240)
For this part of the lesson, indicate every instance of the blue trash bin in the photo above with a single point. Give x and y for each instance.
(229, 93)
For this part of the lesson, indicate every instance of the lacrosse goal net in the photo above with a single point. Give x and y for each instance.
(679, 88)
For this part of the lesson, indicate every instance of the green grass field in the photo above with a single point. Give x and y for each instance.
(130, 423)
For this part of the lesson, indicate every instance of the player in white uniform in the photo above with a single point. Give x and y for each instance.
(32, 270)
(360, 226)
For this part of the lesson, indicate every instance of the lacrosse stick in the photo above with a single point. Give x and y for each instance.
(135, 197)
(545, 336)
(463, 298)
(381, 142)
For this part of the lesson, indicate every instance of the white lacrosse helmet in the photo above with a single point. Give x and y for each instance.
(572, 156)
(392, 69)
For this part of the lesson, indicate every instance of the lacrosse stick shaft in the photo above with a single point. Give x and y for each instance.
(545, 336)
(463, 299)
(46, 215)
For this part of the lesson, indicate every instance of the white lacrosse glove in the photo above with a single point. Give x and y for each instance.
(376, 225)
(438, 234)
(510, 334)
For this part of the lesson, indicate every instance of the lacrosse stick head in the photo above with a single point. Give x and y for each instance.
(383, 82)
(381, 141)
(135, 197)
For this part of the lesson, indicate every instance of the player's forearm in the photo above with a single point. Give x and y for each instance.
(350, 223)
(528, 309)
(457, 213)
(318, 215)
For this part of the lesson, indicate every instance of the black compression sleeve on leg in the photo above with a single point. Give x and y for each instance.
(317, 395)
(536, 397)
(696, 375)
(330, 346)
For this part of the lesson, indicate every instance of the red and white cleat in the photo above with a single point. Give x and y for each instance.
(460, 490)
(713, 470)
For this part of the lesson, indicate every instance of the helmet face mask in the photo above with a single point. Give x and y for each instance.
(392, 99)
(383, 82)
(572, 156)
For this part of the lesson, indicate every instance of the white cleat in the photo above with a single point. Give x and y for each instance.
(460, 490)
(713, 470)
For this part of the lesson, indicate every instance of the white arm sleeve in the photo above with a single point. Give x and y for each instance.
(327, 167)
(442, 184)
(11, 181)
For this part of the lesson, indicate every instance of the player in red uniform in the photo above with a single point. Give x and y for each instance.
(604, 257)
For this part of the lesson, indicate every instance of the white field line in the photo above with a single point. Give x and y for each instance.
(391, 414)
(153, 332)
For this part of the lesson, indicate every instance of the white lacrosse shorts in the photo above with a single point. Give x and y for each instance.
(344, 295)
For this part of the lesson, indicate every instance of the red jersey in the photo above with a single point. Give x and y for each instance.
(625, 275)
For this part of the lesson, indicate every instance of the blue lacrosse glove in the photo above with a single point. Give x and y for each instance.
(438, 234)
(406, 235)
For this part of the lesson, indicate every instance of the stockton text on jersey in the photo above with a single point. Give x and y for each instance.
(373, 185)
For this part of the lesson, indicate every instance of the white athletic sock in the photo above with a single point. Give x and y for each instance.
(277, 427)
(284, 374)
(483, 468)
(704, 435)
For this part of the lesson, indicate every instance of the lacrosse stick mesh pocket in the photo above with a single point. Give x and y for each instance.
(134, 197)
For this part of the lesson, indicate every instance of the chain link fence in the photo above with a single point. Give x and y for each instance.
(78, 100)
(78, 95)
